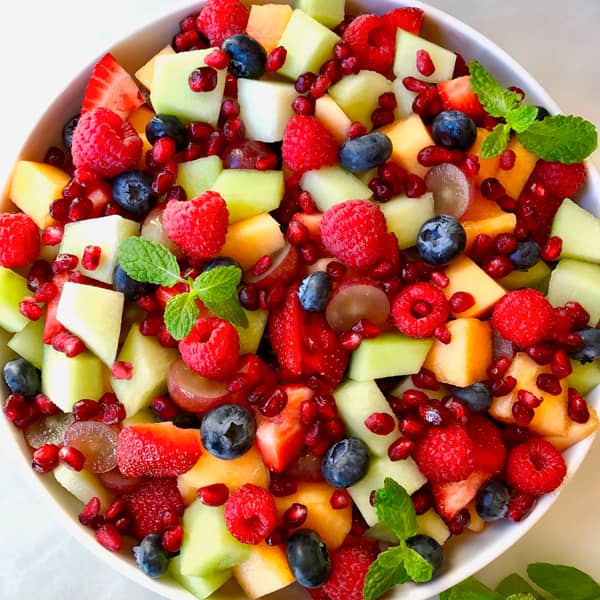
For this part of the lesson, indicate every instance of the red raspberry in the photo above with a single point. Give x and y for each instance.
(250, 514)
(421, 295)
(520, 505)
(349, 566)
(445, 454)
(489, 452)
(148, 504)
(408, 18)
(535, 467)
(523, 317)
(372, 43)
(197, 226)
(212, 348)
(355, 232)
(105, 143)
(561, 181)
(308, 145)
(220, 19)
(19, 240)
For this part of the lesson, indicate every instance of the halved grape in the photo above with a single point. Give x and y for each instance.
(153, 229)
(451, 188)
(285, 266)
(97, 442)
(49, 430)
(115, 481)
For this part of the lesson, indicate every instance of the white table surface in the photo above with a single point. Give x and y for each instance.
(43, 43)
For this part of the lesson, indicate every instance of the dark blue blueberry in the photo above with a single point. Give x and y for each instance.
(345, 463)
(440, 240)
(160, 126)
(308, 558)
(132, 191)
(365, 152)
(22, 377)
(477, 397)
(150, 556)
(314, 291)
(429, 549)
(221, 261)
(228, 431)
(542, 113)
(130, 288)
(590, 351)
(525, 256)
(492, 500)
(248, 57)
(68, 129)
(454, 129)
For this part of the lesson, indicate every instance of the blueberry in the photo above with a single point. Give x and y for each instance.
(542, 113)
(308, 558)
(454, 129)
(161, 125)
(345, 463)
(220, 261)
(248, 57)
(525, 256)
(428, 548)
(314, 291)
(150, 556)
(68, 129)
(130, 288)
(492, 499)
(228, 431)
(132, 190)
(22, 377)
(477, 397)
(590, 351)
(365, 152)
(440, 240)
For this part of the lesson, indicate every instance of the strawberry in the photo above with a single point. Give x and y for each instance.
(489, 452)
(111, 86)
(450, 498)
(457, 94)
(286, 330)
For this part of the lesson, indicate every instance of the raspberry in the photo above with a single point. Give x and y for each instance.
(520, 505)
(220, 19)
(212, 348)
(489, 452)
(148, 504)
(421, 295)
(535, 467)
(349, 566)
(197, 226)
(372, 42)
(408, 18)
(105, 143)
(523, 317)
(445, 454)
(355, 232)
(19, 240)
(561, 181)
(308, 145)
(250, 514)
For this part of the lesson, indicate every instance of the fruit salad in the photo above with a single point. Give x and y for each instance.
(300, 299)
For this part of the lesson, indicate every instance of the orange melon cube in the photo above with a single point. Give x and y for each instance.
(476, 523)
(575, 432)
(328, 111)
(514, 180)
(502, 223)
(145, 73)
(466, 358)
(267, 22)
(488, 167)
(481, 208)
(139, 118)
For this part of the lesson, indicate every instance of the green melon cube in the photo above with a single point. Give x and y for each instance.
(407, 384)
(431, 524)
(328, 12)
(579, 231)
(537, 277)
(404, 99)
(201, 587)
(584, 378)
(28, 342)
(249, 192)
(146, 415)
(388, 355)
(14, 290)
(251, 336)
(405, 217)
(6, 352)
(171, 94)
(197, 176)
(308, 43)
(83, 485)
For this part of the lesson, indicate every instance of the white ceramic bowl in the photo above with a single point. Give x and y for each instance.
(466, 554)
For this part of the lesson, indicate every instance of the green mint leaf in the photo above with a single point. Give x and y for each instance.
(521, 118)
(395, 509)
(384, 573)
(218, 284)
(470, 589)
(230, 310)
(496, 99)
(148, 262)
(495, 143)
(417, 568)
(521, 597)
(561, 138)
(181, 313)
(563, 582)
(515, 584)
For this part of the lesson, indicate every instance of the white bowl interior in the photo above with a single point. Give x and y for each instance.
(466, 554)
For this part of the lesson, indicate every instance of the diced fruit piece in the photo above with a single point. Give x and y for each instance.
(575, 432)
(404, 99)
(139, 118)
(67, 380)
(333, 117)
(407, 384)
(575, 226)
(145, 73)
(83, 485)
(197, 176)
(150, 362)
(171, 94)
(537, 277)
(405, 216)
(457, 94)
(248, 192)
(431, 524)
(584, 378)
(6, 352)
(328, 12)
(488, 167)
(28, 342)
(515, 179)
(267, 23)
(451, 497)
(465, 359)
(502, 223)
(146, 415)
(14, 291)
(201, 587)
(388, 355)
(481, 208)
(34, 187)
(251, 336)
(308, 43)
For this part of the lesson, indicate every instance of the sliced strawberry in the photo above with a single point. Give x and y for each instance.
(489, 452)
(283, 270)
(286, 331)
(451, 497)
(457, 94)
(112, 87)
(157, 450)
(408, 18)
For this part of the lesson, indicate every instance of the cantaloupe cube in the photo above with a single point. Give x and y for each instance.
(267, 23)
(481, 208)
(34, 187)
(146, 72)
(466, 358)
(333, 117)
(575, 432)
(488, 167)
(464, 275)
(139, 118)
(492, 226)
(514, 180)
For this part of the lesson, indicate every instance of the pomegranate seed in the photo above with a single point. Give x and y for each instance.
(229, 110)
(39, 274)
(414, 398)
(425, 65)
(503, 386)
(415, 186)
(231, 87)
(400, 449)
(21, 412)
(45, 458)
(46, 406)
(46, 292)
(113, 414)
(517, 90)
(548, 382)
(380, 423)
(170, 519)
(188, 23)
(309, 251)
(150, 326)
(86, 410)
(122, 370)
(333, 70)
(528, 399)
(91, 257)
(29, 309)
(307, 204)
(457, 408)
(366, 328)
(561, 365)
(388, 100)
(569, 341)
(72, 190)
(115, 509)
(577, 407)
(542, 354)
(308, 412)
(108, 535)
(165, 408)
(471, 165)
(481, 247)
(507, 160)
(415, 85)
(275, 59)
(393, 175)
(278, 536)
(163, 150)
(204, 79)
(381, 190)
(340, 499)
(108, 398)
(431, 156)
(59, 209)
(52, 235)
(64, 262)
(320, 86)
(426, 380)
(217, 59)
(148, 303)
(213, 495)
(498, 266)
(434, 413)
(172, 538)
(440, 279)
(234, 130)
(382, 116)
(461, 301)
(505, 243)
(350, 65)
(384, 269)
(200, 131)
(248, 297)
(579, 315)
(68, 343)
(186, 40)
(55, 157)
(297, 233)
(276, 402)
(280, 485)
(356, 130)
(342, 50)
(80, 209)
(552, 249)
(461, 519)
(295, 515)
(422, 500)
(305, 82)
(492, 189)
(350, 340)
(498, 368)
(520, 505)
(91, 512)
(165, 339)
(427, 104)
(262, 265)
(442, 334)
(522, 413)
(72, 457)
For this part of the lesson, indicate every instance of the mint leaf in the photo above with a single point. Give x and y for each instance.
(470, 589)
(496, 99)
(148, 262)
(515, 584)
(395, 509)
(384, 573)
(181, 313)
(563, 582)
(521, 118)
(230, 310)
(520, 597)
(417, 568)
(218, 284)
(561, 138)
(495, 143)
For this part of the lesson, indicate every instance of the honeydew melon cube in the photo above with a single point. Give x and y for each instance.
(308, 43)
(431, 524)
(265, 108)
(67, 380)
(171, 94)
(105, 232)
(197, 176)
(83, 484)
(328, 12)
(248, 192)
(407, 384)
(250, 336)
(404, 99)
(388, 355)
(358, 95)
(405, 216)
(28, 342)
(579, 231)
(584, 378)
(146, 415)
(14, 290)
(333, 117)
(537, 277)
(201, 587)
(145, 73)
(6, 352)
(331, 185)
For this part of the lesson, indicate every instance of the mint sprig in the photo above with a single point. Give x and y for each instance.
(148, 262)
(565, 139)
